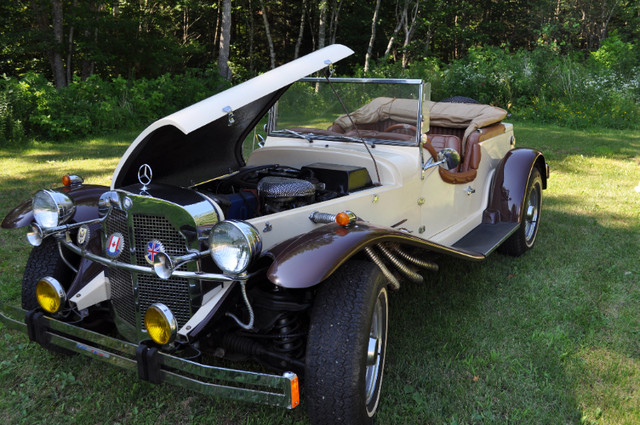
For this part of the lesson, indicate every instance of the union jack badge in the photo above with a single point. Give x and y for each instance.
(153, 247)
(115, 244)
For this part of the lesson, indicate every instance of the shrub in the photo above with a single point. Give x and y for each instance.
(32, 107)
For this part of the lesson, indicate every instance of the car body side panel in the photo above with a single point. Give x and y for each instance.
(307, 260)
(453, 210)
(510, 183)
(85, 198)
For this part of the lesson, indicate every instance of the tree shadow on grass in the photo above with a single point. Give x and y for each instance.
(523, 340)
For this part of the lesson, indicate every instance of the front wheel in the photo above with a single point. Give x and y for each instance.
(44, 260)
(524, 238)
(347, 345)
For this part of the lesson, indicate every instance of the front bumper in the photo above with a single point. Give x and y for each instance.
(153, 365)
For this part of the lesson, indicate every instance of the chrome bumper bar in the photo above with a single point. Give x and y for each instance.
(153, 365)
(216, 277)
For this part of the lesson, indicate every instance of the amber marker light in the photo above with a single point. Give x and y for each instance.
(72, 180)
(345, 218)
(295, 392)
(294, 386)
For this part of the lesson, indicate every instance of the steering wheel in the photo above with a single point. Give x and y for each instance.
(406, 127)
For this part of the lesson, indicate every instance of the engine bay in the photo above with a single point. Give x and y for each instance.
(266, 189)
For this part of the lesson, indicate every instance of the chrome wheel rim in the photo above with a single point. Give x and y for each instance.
(376, 347)
(532, 214)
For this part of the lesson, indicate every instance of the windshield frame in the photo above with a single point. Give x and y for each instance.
(272, 131)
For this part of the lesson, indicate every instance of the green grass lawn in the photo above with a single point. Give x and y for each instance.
(552, 337)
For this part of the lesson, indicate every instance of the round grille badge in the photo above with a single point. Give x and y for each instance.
(153, 247)
(145, 174)
(115, 243)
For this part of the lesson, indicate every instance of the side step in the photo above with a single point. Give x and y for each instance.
(485, 238)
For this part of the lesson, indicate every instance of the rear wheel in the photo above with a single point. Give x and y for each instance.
(44, 260)
(346, 346)
(524, 238)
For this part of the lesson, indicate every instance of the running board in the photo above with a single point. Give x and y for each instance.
(485, 238)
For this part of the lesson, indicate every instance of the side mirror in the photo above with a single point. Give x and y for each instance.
(448, 158)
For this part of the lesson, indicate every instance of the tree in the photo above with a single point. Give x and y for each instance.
(367, 58)
(225, 41)
(272, 52)
(296, 52)
(55, 54)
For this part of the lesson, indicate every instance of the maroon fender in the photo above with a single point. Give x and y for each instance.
(306, 260)
(510, 183)
(85, 198)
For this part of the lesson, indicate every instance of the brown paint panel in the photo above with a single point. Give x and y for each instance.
(307, 260)
(510, 183)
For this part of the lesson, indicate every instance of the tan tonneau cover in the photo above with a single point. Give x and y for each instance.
(380, 109)
(441, 114)
(464, 115)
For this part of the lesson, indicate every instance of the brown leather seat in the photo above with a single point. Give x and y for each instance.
(472, 152)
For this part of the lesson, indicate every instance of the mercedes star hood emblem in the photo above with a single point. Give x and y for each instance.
(145, 175)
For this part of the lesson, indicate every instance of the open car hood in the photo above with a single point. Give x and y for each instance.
(204, 140)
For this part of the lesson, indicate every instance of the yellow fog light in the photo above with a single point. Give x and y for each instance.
(161, 324)
(50, 294)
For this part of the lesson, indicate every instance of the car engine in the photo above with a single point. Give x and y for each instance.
(267, 189)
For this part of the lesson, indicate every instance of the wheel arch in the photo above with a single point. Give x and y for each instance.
(507, 191)
(309, 259)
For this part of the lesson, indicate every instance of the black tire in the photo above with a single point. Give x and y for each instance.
(524, 238)
(350, 314)
(44, 260)
(460, 99)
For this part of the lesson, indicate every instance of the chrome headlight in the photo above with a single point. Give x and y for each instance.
(234, 244)
(51, 208)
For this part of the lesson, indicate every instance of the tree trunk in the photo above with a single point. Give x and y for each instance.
(251, 37)
(400, 18)
(367, 57)
(225, 41)
(408, 29)
(333, 25)
(296, 52)
(56, 55)
(70, 44)
(322, 23)
(272, 53)
(217, 29)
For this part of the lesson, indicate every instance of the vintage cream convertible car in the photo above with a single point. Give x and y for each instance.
(210, 247)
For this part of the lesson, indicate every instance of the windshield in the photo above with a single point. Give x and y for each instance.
(379, 111)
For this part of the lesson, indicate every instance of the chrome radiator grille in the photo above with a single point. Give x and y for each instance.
(135, 292)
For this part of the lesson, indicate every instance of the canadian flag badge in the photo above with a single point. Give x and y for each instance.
(115, 243)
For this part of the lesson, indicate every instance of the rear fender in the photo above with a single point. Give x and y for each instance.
(85, 198)
(307, 260)
(509, 184)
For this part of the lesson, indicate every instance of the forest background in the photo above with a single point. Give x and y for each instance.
(74, 68)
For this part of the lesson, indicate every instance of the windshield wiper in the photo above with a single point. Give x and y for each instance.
(302, 136)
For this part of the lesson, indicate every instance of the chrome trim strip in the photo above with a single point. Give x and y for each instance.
(275, 389)
(365, 80)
